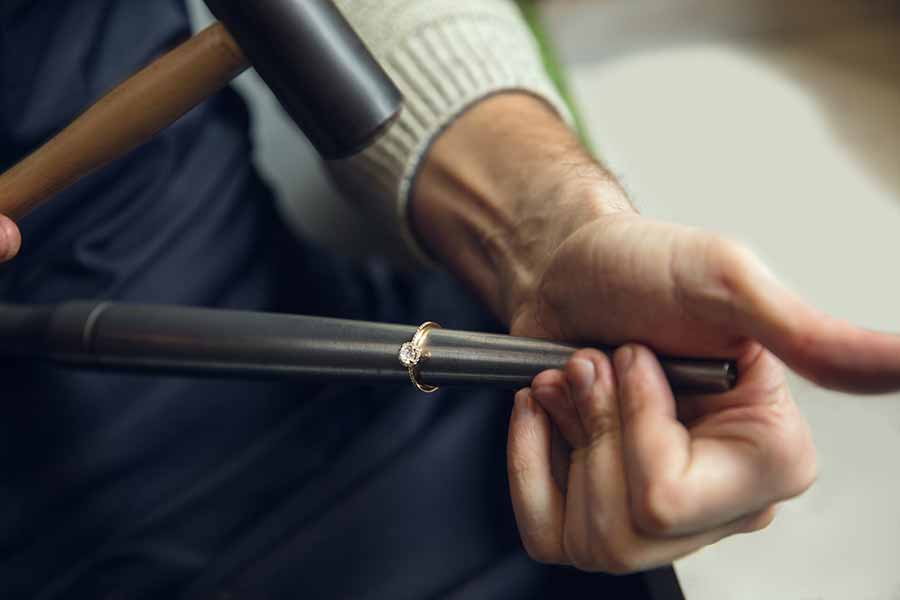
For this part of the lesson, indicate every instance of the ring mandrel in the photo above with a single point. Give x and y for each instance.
(217, 343)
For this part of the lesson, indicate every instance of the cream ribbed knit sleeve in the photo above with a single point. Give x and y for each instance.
(444, 55)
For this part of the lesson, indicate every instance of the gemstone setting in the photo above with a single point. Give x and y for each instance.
(410, 355)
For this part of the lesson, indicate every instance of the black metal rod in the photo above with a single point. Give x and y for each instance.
(198, 341)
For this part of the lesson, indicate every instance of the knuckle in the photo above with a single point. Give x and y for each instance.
(803, 476)
(613, 548)
(541, 552)
(711, 290)
(587, 563)
(636, 384)
(762, 521)
(620, 557)
(636, 392)
(725, 254)
(518, 465)
(710, 273)
(603, 422)
(727, 259)
(796, 469)
(792, 456)
(622, 567)
(655, 509)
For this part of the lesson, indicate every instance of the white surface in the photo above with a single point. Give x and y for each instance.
(791, 145)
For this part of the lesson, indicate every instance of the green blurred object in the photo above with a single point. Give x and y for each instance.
(553, 64)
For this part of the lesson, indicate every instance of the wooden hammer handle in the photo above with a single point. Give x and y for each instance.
(125, 118)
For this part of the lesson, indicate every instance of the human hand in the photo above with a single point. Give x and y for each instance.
(686, 292)
(608, 474)
(516, 208)
(10, 239)
(512, 204)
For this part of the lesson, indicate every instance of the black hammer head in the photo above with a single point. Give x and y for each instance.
(317, 66)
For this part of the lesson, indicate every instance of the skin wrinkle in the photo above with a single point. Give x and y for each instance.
(714, 299)
(620, 549)
(678, 292)
(560, 451)
(775, 454)
(772, 457)
(597, 409)
(546, 295)
(537, 538)
(516, 465)
(585, 546)
(614, 525)
(472, 219)
(731, 273)
(531, 231)
(689, 459)
(603, 270)
(773, 391)
(519, 222)
(561, 299)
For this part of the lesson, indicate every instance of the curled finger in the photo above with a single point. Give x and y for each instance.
(537, 501)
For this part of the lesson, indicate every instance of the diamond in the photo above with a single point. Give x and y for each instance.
(410, 355)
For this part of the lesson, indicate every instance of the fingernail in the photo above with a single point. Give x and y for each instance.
(525, 401)
(543, 392)
(531, 404)
(584, 372)
(7, 235)
(5, 246)
(605, 376)
(624, 358)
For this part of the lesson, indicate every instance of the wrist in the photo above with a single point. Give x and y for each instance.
(501, 189)
(559, 205)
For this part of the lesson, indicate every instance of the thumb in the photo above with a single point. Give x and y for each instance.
(828, 351)
(10, 239)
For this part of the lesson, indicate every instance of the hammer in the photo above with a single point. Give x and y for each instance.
(305, 51)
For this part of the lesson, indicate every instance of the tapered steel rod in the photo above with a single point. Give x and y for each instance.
(197, 341)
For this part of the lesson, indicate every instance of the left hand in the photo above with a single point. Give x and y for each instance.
(631, 486)
(687, 292)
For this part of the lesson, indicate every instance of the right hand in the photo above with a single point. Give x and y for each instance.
(10, 239)
(641, 481)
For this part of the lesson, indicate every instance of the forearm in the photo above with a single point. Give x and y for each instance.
(500, 189)
(446, 56)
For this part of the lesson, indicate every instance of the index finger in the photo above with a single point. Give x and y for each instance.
(829, 351)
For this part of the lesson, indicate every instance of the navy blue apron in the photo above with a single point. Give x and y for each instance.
(132, 487)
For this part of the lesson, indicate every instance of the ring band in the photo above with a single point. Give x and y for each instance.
(413, 353)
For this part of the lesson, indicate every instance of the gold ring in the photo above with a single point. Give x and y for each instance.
(413, 353)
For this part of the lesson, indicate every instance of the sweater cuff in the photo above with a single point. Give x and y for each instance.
(443, 66)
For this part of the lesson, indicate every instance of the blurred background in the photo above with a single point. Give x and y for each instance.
(777, 123)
